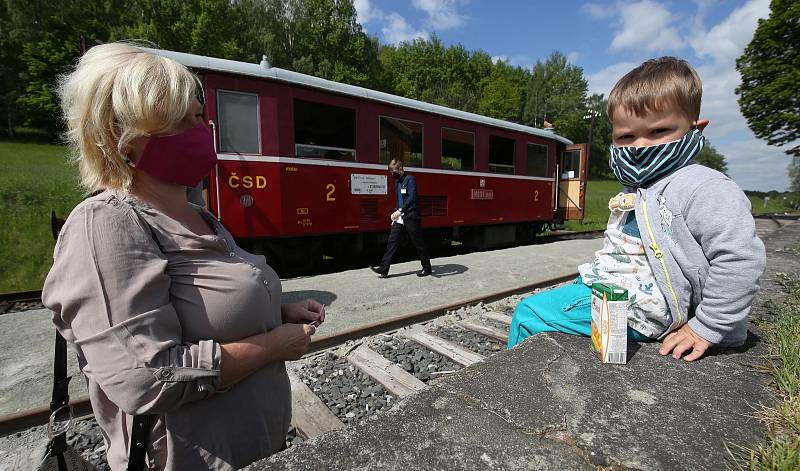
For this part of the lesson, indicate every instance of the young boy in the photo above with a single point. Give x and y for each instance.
(680, 238)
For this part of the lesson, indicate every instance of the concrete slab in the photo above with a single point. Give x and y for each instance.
(550, 404)
(27, 343)
(353, 298)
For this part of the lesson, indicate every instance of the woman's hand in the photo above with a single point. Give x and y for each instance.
(308, 311)
(242, 358)
(295, 339)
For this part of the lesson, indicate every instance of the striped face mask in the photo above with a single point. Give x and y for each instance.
(638, 166)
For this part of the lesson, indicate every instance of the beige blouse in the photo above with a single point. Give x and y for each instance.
(147, 303)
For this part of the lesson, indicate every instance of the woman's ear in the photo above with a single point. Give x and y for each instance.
(701, 124)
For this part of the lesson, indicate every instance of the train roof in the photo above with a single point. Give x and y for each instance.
(283, 75)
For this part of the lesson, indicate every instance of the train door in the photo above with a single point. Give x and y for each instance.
(571, 182)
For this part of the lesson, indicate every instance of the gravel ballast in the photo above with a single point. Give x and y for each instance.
(413, 358)
(349, 394)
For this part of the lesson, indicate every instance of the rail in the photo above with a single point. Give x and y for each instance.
(18, 421)
(9, 302)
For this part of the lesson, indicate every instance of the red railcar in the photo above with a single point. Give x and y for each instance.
(302, 165)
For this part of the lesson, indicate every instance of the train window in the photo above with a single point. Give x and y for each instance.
(400, 139)
(238, 122)
(536, 165)
(570, 164)
(501, 154)
(458, 149)
(324, 131)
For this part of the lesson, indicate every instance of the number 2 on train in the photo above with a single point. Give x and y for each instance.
(535, 195)
(331, 189)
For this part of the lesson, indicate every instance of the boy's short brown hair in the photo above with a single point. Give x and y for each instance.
(656, 85)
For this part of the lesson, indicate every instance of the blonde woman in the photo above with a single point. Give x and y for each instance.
(170, 318)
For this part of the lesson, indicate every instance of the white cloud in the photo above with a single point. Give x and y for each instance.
(754, 165)
(439, 15)
(366, 12)
(573, 56)
(520, 60)
(604, 80)
(718, 48)
(646, 26)
(396, 29)
(442, 14)
(727, 40)
(598, 11)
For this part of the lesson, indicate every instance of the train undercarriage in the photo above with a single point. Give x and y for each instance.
(296, 255)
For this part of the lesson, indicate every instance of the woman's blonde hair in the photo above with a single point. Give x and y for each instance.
(656, 85)
(116, 93)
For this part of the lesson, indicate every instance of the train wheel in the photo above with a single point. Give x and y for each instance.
(296, 256)
(526, 232)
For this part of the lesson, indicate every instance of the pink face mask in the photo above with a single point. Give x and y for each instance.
(182, 159)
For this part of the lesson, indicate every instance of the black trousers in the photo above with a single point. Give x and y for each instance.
(412, 228)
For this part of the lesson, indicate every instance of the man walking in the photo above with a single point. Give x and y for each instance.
(405, 218)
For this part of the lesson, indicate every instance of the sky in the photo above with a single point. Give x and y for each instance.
(607, 39)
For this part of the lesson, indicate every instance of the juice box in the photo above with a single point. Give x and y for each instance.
(610, 322)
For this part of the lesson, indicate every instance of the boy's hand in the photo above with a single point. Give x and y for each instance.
(683, 340)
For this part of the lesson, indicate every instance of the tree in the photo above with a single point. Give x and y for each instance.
(794, 174)
(39, 40)
(10, 69)
(21, 22)
(207, 27)
(710, 157)
(48, 41)
(589, 123)
(315, 37)
(500, 98)
(427, 70)
(770, 69)
(555, 88)
(503, 92)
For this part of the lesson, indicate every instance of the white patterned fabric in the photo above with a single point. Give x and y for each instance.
(622, 261)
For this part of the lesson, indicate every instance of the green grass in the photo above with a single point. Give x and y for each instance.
(782, 335)
(773, 205)
(598, 192)
(34, 178)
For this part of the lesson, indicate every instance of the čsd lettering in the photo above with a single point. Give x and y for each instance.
(247, 181)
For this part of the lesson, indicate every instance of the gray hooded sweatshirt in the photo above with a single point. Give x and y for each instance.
(701, 242)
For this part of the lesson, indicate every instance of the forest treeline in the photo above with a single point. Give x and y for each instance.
(39, 39)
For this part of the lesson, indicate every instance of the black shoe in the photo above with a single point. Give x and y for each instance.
(379, 272)
(424, 272)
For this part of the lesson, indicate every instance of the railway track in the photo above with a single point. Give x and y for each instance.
(27, 300)
(20, 301)
(354, 347)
